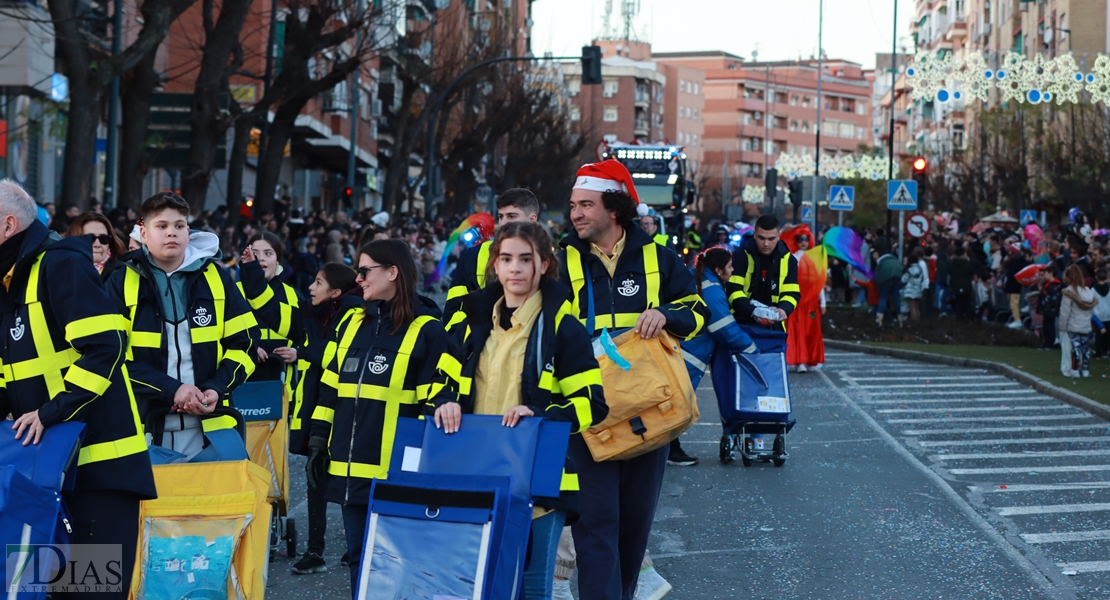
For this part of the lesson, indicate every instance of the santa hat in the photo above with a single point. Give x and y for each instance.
(609, 175)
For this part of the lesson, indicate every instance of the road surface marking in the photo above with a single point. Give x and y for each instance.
(1006, 429)
(1032, 398)
(880, 394)
(1032, 572)
(969, 409)
(1006, 441)
(1096, 566)
(1001, 470)
(1052, 509)
(1046, 487)
(927, 377)
(931, 386)
(1072, 536)
(1047, 454)
(1079, 415)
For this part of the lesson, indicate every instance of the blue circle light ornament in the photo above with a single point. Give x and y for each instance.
(1033, 96)
(1001, 74)
(988, 74)
(943, 95)
(911, 72)
(1079, 77)
(1091, 78)
(957, 95)
(1047, 97)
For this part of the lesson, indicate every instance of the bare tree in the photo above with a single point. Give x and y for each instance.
(90, 68)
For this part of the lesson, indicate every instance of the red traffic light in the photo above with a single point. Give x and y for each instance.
(919, 164)
(348, 192)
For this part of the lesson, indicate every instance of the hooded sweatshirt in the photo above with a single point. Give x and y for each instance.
(1076, 308)
(171, 290)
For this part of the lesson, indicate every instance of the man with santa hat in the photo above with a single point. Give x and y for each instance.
(634, 283)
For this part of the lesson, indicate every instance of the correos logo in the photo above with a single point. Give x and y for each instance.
(255, 412)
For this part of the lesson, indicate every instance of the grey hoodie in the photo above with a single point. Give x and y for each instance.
(202, 247)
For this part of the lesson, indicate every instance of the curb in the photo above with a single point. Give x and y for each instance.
(1042, 386)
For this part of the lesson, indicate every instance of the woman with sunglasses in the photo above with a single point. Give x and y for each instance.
(106, 247)
(382, 365)
(520, 352)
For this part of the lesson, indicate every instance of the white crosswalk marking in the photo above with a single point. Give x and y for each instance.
(1019, 441)
(969, 409)
(1078, 415)
(1088, 426)
(1050, 454)
(1002, 470)
(1096, 566)
(1071, 536)
(1046, 487)
(1053, 509)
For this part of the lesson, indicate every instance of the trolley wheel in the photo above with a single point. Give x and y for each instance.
(726, 450)
(747, 461)
(290, 538)
(779, 461)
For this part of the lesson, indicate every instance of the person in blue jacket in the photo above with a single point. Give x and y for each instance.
(725, 336)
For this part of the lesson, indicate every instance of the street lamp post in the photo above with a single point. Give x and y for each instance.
(820, 64)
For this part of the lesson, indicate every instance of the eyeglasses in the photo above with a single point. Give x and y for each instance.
(103, 238)
(364, 271)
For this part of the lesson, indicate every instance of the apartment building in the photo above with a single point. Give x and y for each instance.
(755, 111)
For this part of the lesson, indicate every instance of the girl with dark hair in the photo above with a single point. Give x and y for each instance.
(106, 246)
(276, 305)
(518, 322)
(334, 296)
(381, 366)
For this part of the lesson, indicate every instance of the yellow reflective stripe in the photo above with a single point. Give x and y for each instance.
(457, 292)
(577, 281)
(624, 320)
(330, 379)
(380, 393)
(286, 320)
(790, 287)
(573, 383)
(549, 383)
(569, 482)
(218, 423)
(52, 361)
(450, 366)
(94, 325)
(583, 412)
(87, 380)
(261, 300)
(131, 288)
(456, 318)
(791, 299)
(423, 392)
(241, 323)
(404, 352)
(146, 339)
(651, 269)
(112, 450)
(359, 470)
(483, 262)
(205, 335)
(35, 367)
(323, 413)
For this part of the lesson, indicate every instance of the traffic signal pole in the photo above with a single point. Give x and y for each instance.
(893, 83)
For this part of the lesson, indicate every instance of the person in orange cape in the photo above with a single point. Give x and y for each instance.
(805, 345)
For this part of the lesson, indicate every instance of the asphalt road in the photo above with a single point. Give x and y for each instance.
(905, 480)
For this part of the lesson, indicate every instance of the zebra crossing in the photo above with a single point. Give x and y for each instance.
(1035, 468)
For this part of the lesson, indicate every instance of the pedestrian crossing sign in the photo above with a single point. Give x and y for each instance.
(901, 194)
(842, 197)
(1028, 216)
(807, 214)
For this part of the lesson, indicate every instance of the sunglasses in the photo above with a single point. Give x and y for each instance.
(103, 238)
(364, 271)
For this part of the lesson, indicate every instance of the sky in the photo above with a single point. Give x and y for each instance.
(779, 29)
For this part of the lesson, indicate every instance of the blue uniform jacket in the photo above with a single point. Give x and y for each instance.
(723, 332)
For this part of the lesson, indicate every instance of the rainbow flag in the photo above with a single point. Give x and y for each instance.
(845, 244)
(482, 223)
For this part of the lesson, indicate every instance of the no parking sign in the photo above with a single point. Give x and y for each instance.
(917, 225)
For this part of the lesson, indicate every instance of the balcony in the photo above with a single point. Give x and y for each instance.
(641, 128)
(642, 99)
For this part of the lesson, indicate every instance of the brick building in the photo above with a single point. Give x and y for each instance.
(755, 111)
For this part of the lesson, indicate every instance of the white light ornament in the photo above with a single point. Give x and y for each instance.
(753, 194)
(1098, 80)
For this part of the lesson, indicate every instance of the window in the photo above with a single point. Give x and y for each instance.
(805, 101)
(575, 113)
(860, 108)
(793, 100)
(611, 87)
(847, 130)
(861, 133)
(695, 139)
(574, 86)
(697, 115)
(746, 145)
(805, 126)
(829, 128)
(697, 88)
(793, 125)
(780, 97)
(682, 85)
(610, 114)
(747, 118)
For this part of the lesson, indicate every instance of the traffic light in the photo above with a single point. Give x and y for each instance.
(794, 192)
(919, 166)
(348, 192)
(771, 181)
(591, 65)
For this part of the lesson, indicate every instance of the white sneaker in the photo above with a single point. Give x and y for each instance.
(1015, 325)
(1071, 373)
(651, 585)
(1085, 373)
(816, 367)
(560, 590)
(802, 369)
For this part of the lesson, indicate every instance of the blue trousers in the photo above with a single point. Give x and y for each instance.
(545, 544)
(354, 525)
(888, 295)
